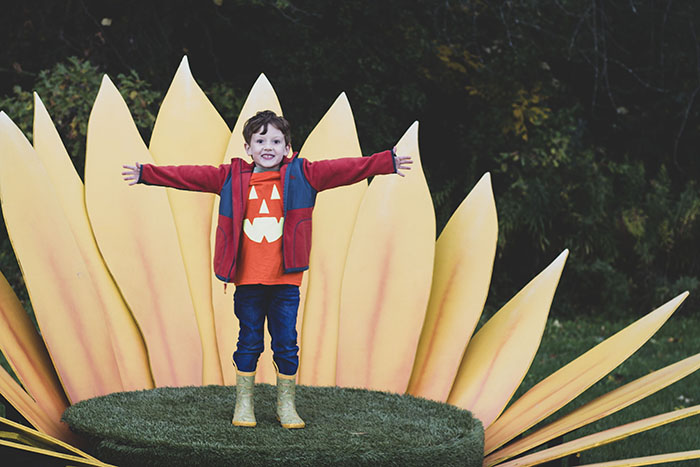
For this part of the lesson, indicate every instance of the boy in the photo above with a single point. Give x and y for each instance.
(263, 240)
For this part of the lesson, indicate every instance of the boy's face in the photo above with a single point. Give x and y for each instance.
(269, 149)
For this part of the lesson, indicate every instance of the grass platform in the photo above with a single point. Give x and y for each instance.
(192, 426)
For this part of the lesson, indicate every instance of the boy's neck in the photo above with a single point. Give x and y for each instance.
(258, 169)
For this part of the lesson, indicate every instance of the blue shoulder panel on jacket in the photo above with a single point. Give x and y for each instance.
(298, 192)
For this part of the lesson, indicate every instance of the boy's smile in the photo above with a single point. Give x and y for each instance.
(267, 150)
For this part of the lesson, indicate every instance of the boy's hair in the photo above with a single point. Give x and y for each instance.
(262, 120)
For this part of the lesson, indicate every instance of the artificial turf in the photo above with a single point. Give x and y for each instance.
(192, 426)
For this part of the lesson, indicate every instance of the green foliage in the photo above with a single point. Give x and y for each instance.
(192, 426)
(226, 100)
(628, 216)
(630, 235)
(68, 91)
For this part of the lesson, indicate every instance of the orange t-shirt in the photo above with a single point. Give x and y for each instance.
(260, 251)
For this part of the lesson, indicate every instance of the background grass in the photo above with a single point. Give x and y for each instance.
(192, 426)
(679, 338)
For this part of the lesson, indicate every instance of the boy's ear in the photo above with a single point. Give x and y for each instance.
(246, 146)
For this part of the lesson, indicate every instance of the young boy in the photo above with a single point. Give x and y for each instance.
(263, 241)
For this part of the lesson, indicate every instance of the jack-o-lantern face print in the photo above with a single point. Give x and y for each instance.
(265, 208)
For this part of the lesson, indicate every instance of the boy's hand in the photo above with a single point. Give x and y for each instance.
(132, 173)
(402, 163)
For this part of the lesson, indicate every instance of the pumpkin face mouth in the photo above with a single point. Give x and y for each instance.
(269, 221)
(269, 228)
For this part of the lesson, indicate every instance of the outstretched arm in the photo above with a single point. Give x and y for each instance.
(132, 173)
(331, 173)
(205, 178)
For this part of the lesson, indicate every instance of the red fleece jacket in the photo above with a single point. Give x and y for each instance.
(301, 180)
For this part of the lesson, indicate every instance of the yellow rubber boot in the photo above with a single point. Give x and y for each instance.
(286, 410)
(243, 414)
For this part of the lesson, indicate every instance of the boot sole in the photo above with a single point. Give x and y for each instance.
(293, 425)
(244, 424)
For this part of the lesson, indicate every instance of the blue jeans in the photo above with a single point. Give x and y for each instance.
(279, 304)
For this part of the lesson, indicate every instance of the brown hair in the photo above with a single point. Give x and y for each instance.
(262, 120)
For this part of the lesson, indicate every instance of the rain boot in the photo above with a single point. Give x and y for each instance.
(243, 414)
(286, 410)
